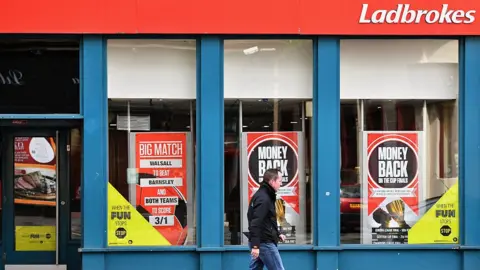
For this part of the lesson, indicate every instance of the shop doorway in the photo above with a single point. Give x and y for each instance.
(36, 197)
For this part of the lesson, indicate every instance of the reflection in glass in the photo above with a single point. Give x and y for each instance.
(39, 76)
(350, 178)
(393, 115)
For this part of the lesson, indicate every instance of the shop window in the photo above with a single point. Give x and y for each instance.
(268, 92)
(151, 195)
(399, 157)
(151, 172)
(39, 76)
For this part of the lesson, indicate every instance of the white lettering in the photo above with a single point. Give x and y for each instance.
(161, 201)
(15, 77)
(432, 16)
(363, 15)
(264, 165)
(11, 77)
(272, 152)
(163, 210)
(392, 153)
(167, 149)
(19, 146)
(404, 15)
(393, 169)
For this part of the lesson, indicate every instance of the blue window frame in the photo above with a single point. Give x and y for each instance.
(210, 146)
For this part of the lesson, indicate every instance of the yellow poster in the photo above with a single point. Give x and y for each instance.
(126, 226)
(35, 238)
(440, 224)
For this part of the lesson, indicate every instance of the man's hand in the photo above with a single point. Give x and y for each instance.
(283, 237)
(255, 252)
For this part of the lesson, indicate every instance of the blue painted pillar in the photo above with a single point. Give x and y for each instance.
(326, 117)
(94, 182)
(210, 139)
(469, 116)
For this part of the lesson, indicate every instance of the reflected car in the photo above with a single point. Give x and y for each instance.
(350, 205)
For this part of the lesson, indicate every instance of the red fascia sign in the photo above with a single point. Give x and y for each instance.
(303, 17)
(404, 15)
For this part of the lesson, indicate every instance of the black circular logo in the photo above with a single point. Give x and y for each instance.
(393, 164)
(273, 154)
(120, 233)
(445, 230)
(48, 236)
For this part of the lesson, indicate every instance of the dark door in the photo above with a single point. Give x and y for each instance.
(35, 196)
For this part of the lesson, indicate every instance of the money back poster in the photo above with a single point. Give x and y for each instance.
(391, 182)
(278, 150)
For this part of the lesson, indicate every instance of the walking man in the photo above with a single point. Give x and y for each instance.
(262, 224)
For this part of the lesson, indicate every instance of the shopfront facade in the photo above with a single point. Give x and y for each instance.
(142, 149)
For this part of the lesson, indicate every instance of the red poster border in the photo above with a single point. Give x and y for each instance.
(379, 138)
(290, 138)
(175, 234)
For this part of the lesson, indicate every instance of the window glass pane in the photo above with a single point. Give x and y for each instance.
(399, 158)
(75, 169)
(151, 171)
(350, 188)
(39, 76)
(401, 154)
(393, 115)
(36, 171)
(268, 127)
(152, 91)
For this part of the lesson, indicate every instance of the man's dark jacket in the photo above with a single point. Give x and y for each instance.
(262, 217)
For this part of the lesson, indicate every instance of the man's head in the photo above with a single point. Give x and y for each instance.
(273, 177)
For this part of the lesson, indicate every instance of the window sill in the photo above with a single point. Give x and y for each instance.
(185, 248)
(393, 247)
(137, 249)
(280, 247)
